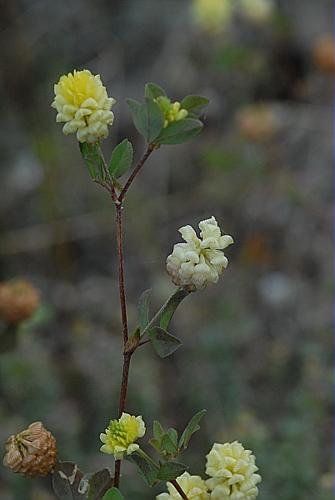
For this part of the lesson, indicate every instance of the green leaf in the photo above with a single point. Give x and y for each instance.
(171, 306)
(156, 444)
(99, 483)
(158, 430)
(66, 480)
(180, 131)
(148, 118)
(143, 308)
(121, 159)
(163, 342)
(191, 428)
(168, 445)
(92, 159)
(171, 470)
(113, 494)
(173, 435)
(146, 468)
(194, 103)
(153, 91)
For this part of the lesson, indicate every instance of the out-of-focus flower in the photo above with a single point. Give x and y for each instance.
(18, 301)
(173, 112)
(199, 261)
(257, 122)
(212, 15)
(232, 470)
(82, 103)
(31, 452)
(120, 436)
(257, 11)
(193, 486)
(324, 54)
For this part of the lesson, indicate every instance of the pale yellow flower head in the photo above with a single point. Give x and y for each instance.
(193, 486)
(120, 436)
(173, 112)
(212, 15)
(232, 470)
(199, 261)
(82, 103)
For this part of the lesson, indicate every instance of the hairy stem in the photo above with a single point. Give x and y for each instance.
(179, 489)
(136, 170)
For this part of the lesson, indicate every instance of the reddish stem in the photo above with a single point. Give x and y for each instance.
(179, 489)
(135, 172)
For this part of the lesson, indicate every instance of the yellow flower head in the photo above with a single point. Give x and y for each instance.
(232, 470)
(173, 112)
(82, 103)
(120, 435)
(212, 15)
(193, 486)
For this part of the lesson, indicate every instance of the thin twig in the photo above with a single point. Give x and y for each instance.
(126, 356)
(136, 170)
(179, 489)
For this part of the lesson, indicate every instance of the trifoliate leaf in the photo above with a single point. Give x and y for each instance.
(143, 308)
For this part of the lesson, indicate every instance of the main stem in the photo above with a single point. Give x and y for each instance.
(126, 356)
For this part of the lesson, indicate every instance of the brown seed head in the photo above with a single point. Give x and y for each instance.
(18, 301)
(31, 452)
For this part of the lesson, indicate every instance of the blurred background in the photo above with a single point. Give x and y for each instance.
(257, 347)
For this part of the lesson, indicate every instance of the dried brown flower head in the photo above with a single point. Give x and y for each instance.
(18, 301)
(31, 452)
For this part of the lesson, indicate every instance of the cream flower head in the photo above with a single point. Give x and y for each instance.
(120, 436)
(173, 112)
(82, 103)
(232, 470)
(193, 486)
(199, 261)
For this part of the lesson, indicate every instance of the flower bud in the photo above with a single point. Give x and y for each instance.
(120, 436)
(32, 452)
(199, 261)
(18, 301)
(173, 112)
(82, 103)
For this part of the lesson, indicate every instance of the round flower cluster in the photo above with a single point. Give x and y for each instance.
(120, 435)
(31, 452)
(199, 261)
(232, 470)
(82, 103)
(232, 476)
(173, 112)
